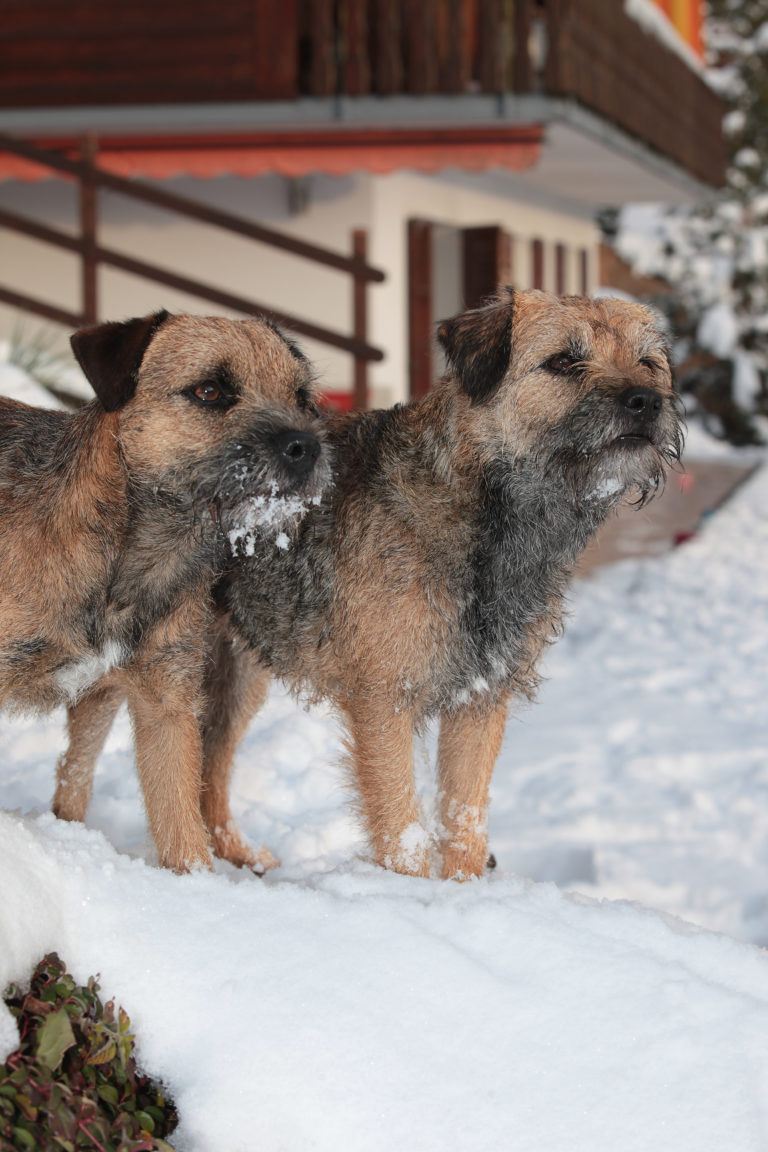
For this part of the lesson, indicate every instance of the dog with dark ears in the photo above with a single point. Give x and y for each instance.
(431, 577)
(118, 519)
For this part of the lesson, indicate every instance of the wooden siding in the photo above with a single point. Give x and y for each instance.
(79, 52)
(603, 59)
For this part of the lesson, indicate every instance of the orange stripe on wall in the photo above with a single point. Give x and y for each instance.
(686, 17)
(697, 37)
(681, 18)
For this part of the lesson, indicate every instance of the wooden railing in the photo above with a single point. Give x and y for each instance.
(418, 47)
(589, 52)
(94, 255)
(599, 57)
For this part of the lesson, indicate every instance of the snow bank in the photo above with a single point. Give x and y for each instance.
(359, 1009)
(16, 385)
(643, 768)
(334, 1006)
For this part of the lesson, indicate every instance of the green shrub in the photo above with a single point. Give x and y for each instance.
(72, 1084)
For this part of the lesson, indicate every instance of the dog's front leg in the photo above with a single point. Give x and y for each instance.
(468, 746)
(164, 710)
(236, 687)
(382, 759)
(88, 723)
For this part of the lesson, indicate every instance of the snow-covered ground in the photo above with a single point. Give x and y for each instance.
(334, 1006)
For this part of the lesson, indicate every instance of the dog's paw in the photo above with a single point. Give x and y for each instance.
(263, 861)
(460, 863)
(409, 854)
(228, 844)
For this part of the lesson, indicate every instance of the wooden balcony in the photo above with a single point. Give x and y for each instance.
(76, 53)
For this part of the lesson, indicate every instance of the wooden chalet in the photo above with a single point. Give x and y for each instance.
(420, 151)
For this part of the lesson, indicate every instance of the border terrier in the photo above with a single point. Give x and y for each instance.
(431, 576)
(429, 580)
(117, 520)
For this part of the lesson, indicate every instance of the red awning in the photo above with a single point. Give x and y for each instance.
(337, 152)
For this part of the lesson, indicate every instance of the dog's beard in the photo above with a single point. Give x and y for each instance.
(244, 496)
(273, 518)
(603, 466)
(625, 468)
(255, 505)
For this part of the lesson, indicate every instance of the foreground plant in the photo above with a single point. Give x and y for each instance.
(72, 1084)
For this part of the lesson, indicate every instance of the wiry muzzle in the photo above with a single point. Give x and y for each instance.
(272, 457)
(621, 438)
(273, 477)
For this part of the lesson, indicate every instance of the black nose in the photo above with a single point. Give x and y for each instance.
(642, 403)
(297, 450)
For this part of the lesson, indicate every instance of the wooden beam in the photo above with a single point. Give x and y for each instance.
(88, 196)
(360, 319)
(420, 333)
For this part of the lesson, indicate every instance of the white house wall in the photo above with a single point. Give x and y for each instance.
(460, 201)
(334, 207)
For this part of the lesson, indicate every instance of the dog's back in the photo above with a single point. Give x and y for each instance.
(28, 436)
(58, 545)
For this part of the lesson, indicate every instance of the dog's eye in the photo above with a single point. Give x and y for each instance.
(207, 392)
(651, 365)
(562, 363)
(210, 394)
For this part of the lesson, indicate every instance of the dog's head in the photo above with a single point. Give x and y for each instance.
(217, 414)
(579, 385)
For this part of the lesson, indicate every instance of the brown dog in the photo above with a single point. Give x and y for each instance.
(432, 576)
(116, 521)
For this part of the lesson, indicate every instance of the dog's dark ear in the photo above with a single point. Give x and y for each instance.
(110, 356)
(477, 344)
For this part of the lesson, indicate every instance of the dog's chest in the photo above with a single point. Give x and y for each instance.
(75, 678)
(93, 610)
(41, 671)
(280, 597)
(521, 564)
